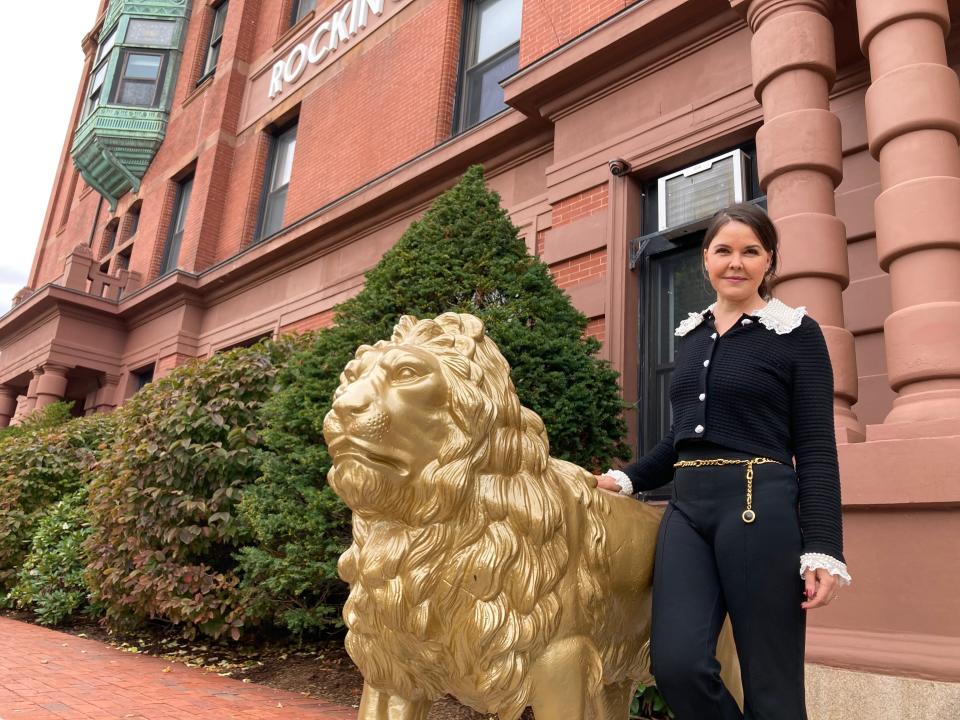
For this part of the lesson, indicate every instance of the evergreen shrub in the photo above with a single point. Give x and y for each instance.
(51, 581)
(41, 461)
(464, 255)
(164, 499)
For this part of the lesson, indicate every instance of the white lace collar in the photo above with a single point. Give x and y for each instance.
(775, 315)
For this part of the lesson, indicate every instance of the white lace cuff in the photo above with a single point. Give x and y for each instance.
(626, 487)
(814, 561)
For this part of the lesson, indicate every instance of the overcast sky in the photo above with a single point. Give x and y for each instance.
(40, 73)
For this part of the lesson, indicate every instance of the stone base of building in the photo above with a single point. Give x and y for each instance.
(836, 694)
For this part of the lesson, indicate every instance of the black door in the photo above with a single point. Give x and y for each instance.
(672, 285)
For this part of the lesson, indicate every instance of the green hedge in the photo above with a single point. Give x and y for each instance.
(164, 499)
(51, 580)
(41, 461)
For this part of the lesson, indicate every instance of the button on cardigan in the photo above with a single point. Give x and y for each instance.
(764, 387)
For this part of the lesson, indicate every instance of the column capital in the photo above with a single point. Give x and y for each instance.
(53, 369)
(755, 12)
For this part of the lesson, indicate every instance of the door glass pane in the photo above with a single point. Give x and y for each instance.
(498, 26)
(675, 287)
(683, 290)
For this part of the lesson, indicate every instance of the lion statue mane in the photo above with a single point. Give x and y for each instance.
(480, 566)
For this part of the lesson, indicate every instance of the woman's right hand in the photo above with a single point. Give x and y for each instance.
(605, 482)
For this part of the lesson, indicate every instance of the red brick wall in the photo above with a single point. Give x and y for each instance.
(392, 104)
(596, 328)
(547, 24)
(580, 269)
(580, 205)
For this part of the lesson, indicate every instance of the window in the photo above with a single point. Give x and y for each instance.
(171, 253)
(134, 222)
(491, 53)
(277, 182)
(300, 9)
(142, 378)
(216, 38)
(122, 260)
(109, 237)
(139, 81)
(99, 73)
(671, 286)
(150, 32)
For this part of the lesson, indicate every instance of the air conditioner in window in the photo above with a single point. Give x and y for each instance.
(700, 190)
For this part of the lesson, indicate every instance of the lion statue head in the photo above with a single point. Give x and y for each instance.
(459, 541)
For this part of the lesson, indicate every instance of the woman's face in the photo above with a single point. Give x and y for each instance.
(736, 262)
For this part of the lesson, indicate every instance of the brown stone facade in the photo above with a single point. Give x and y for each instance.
(853, 109)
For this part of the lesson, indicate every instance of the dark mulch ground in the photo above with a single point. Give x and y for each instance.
(319, 668)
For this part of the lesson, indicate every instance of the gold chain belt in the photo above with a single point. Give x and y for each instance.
(748, 515)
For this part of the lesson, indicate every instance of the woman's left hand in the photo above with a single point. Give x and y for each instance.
(821, 588)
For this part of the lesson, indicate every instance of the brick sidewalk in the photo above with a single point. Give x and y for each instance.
(50, 676)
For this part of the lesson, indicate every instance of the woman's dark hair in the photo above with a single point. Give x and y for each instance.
(754, 217)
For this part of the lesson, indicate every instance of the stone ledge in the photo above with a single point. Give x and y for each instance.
(835, 694)
(923, 656)
(909, 472)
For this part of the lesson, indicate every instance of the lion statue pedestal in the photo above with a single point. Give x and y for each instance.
(480, 566)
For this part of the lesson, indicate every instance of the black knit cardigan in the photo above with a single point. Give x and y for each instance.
(761, 390)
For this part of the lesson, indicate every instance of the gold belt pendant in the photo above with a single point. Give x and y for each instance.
(749, 514)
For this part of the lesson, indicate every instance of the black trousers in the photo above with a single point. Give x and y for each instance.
(710, 563)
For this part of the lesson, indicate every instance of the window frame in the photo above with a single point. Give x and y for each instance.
(178, 222)
(214, 41)
(100, 62)
(269, 192)
(471, 35)
(297, 13)
(120, 80)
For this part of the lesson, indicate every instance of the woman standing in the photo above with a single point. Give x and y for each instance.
(746, 532)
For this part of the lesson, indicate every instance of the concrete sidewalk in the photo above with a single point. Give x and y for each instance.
(50, 676)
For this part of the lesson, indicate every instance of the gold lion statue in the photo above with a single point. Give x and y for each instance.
(480, 566)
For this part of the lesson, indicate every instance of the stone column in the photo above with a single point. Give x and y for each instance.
(800, 164)
(106, 395)
(31, 402)
(913, 123)
(8, 404)
(51, 385)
